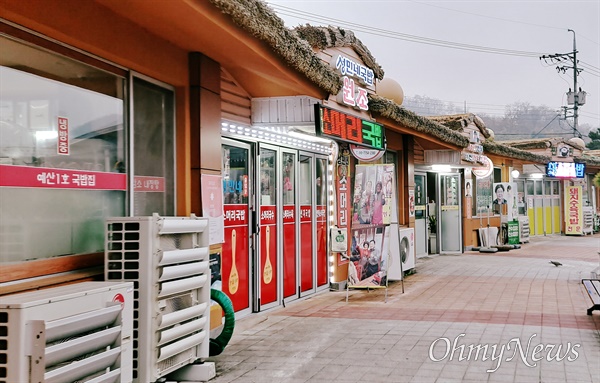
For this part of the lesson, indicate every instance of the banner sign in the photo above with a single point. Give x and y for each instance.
(342, 185)
(573, 211)
(51, 178)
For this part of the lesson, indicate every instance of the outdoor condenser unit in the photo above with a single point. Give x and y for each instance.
(75, 333)
(167, 259)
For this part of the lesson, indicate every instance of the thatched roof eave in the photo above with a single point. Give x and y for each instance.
(588, 160)
(459, 122)
(320, 37)
(500, 149)
(258, 19)
(389, 109)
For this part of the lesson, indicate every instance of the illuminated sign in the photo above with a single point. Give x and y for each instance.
(349, 67)
(345, 127)
(565, 169)
(485, 170)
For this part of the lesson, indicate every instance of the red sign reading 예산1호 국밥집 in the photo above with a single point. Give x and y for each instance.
(573, 210)
(343, 192)
(56, 178)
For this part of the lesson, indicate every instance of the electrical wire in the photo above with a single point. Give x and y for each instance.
(401, 36)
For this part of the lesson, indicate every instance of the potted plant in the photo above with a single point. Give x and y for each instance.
(432, 222)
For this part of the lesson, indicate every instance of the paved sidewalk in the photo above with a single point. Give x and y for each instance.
(491, 302)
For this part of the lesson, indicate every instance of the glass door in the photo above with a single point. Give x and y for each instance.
(450, 217)
(290, 226)
(236, 254)
(321, 222)
(307, 254)
(420, 215)
(267, 276)
(555, 203)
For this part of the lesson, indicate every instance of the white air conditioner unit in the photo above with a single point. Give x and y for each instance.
(73, 333)
(167, 259)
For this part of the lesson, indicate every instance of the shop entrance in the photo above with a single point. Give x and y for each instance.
(444, 213)
(421, 224)
(278, 252)
(543, 206)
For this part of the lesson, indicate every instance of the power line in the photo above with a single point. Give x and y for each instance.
(402, 36)
(488, 17)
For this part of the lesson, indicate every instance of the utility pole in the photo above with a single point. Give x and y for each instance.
(576, 97)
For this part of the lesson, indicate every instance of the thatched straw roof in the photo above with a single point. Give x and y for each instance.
(500, 149)
(459, 122)
(589, 160)
(257, 18)
(320, 37)
(389, 109)
(540, 143)
(593, 152)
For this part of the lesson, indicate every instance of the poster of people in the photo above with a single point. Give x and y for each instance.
(368, 257)
(372, 212)
(505, 199)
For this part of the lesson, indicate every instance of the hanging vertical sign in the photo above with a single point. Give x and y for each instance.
(343, 192)
(573, 211)
(63, 146)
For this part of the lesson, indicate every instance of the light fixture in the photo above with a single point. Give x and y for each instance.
(441, 168)
(308, 137)
(515, 173)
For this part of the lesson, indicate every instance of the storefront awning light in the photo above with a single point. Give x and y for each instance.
(441, 168)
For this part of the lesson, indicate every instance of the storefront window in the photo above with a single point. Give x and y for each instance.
(65, 151)
(153, 149)
(62, 154)
(482, 190)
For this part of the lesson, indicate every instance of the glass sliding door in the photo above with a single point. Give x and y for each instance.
(450, 217)
(236, 266)
(290, 226)
(268, 256)
(307, 261)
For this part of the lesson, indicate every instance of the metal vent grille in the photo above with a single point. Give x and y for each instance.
(167, 259)
(3, 346)
(72, 333)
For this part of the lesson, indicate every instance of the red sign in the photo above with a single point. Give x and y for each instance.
(235, 266)
(235, 215)
(342, 185)
(148, 184)
(322, 269)
(306, 248)
(268, 254)
(34, 177)
(289, 251)
(62, 144)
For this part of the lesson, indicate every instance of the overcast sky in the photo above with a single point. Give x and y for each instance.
(486, 81)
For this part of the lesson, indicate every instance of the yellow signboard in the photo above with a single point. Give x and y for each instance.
(573, 210)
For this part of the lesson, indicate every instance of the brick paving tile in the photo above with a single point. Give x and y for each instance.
(491, 305)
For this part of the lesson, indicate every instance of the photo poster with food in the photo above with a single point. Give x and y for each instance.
(373, 210)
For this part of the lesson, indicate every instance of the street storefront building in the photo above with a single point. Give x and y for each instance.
(95, 125)
(559, 196)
